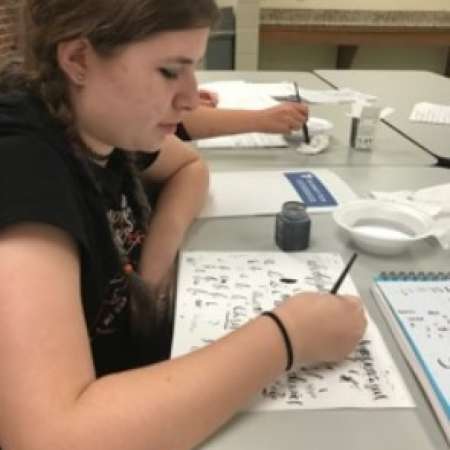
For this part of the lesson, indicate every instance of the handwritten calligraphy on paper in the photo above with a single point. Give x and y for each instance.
(219, 292)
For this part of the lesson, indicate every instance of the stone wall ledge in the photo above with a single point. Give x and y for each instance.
(356, 18)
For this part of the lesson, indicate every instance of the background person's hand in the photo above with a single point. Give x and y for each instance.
(208, 98)
(282, 118)
(322, 327)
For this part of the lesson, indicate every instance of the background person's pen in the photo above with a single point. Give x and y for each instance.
(305, 127)
(339, 281)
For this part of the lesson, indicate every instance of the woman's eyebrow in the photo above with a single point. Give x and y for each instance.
(179, 60)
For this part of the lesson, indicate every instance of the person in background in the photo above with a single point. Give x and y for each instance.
(81, 249)
(208, 98)
(208, 120)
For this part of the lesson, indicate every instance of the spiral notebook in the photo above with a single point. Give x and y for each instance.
(417, 307)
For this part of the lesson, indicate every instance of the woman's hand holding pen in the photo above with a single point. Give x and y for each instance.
(282, 118)
(322, 327)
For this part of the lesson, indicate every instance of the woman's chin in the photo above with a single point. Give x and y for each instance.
(167, 129)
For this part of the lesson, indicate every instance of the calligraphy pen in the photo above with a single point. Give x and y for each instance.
(299, 100)
(339, 281)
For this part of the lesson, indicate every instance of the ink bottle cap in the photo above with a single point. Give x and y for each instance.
(292, 227)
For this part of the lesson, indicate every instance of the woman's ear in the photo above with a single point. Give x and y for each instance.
(73, 58)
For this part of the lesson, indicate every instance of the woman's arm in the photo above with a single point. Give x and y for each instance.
(184, 177)
(206, 122)
(50, 398)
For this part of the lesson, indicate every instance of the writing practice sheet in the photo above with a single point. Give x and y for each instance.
(219, 292)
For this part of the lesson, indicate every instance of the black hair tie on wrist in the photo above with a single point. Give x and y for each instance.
(284, 333)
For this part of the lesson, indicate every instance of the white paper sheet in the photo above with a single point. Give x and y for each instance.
(218, 292)
(316, 126)
(431, 113)
(252, 193)
(244, 140)
(285, 89)
(330, 96)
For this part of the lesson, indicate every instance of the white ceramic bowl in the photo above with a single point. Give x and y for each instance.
(382, 227)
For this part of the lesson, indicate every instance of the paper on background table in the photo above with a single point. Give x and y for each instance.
(256, 96)
(253, 193)
(284, 90)
(220, 291)
(316, 125)
(431, 113)
(244, 140)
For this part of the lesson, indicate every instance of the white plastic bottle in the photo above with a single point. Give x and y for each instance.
(366, 127)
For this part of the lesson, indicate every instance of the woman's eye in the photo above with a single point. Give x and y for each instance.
(170, 74)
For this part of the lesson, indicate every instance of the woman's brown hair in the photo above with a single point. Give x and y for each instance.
(109, 25)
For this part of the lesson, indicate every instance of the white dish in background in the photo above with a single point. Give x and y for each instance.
(316, 126)
(383, 227)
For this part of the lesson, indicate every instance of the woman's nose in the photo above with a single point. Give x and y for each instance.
(187, 98)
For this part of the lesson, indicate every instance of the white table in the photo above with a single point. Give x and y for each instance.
(390, 147)
(390, 429)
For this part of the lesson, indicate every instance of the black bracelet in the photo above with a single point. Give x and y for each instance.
(284, 333)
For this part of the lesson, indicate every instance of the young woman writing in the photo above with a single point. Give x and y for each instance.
(80, 249)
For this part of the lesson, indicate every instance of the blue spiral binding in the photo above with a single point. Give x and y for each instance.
(413, 276)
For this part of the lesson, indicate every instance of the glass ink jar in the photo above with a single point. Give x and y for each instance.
(292, 227)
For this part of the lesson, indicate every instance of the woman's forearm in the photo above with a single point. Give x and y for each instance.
(179, 202)
(206, 122)
(172, 405)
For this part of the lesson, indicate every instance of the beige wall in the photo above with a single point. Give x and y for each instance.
(223, 3)
(308, 57)
(407, 5)
(247, 34)
(297, 57)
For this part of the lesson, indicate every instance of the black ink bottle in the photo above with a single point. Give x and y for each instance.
(292, 227)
